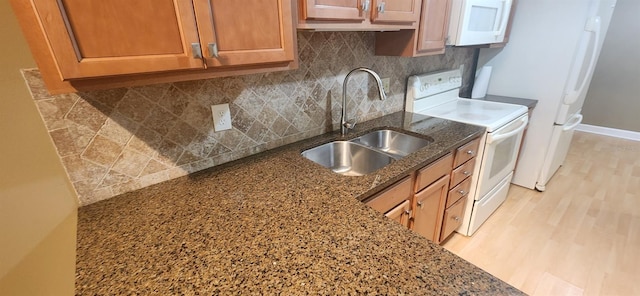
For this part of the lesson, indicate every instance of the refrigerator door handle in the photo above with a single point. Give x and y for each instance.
(577, 118)
(594, 25)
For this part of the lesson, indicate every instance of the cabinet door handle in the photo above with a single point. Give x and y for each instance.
(420, 204)
(366, 5)
(456, 218)
(381, 7)
(195, 49)
(213, 50)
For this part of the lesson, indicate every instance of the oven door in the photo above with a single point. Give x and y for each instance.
(500, 155)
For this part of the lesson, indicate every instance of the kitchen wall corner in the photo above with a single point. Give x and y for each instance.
(119, 140)
(38, 208)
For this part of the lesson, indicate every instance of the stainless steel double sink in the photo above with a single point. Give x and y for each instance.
(367, 153)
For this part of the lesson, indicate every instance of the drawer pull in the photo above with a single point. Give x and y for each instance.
(466, 173)
(462, 192)
(456, 218)
(470, 152)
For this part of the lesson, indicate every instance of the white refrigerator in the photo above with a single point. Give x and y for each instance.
(551, 54)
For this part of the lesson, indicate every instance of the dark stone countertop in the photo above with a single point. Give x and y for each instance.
(529, 103)
(274, 223)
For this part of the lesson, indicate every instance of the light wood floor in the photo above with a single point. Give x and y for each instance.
(579, 237)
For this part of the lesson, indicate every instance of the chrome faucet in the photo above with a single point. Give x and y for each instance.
(344, 125)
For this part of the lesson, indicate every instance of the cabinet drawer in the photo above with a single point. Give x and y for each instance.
(466, 152)
(458, 175)
(433, 172)
(392, 196)
(452, 218)
(458, 192)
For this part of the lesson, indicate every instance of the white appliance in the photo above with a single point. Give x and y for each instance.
(436, 94)
(474, 22)
(551, 55)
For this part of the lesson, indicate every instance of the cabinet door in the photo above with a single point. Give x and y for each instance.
(334, 9)
(401, 213)
(90, 38)
(395, 11)
(434, 23)
(245, 32)
(429, 209)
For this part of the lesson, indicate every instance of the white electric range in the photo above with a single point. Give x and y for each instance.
(436, 94)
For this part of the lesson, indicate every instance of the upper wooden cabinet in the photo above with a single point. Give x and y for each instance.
(245, 32)
(432, 32)
(358, 14)
(332, 10)
(91, 38)
(428, 39)
(395, 11)
(73, 40)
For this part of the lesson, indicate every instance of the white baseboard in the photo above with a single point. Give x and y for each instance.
(607, 131)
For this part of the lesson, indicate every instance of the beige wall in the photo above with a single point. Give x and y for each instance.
(613, 99)
(37, 205)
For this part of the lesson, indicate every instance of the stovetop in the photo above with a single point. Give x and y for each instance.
(436, 94)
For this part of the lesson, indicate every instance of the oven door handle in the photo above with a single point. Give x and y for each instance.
(496, 138)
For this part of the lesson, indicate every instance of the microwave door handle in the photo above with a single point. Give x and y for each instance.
(506, 9)
(496, 138)
(594, 25)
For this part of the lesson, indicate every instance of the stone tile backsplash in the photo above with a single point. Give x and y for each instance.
(118, 140)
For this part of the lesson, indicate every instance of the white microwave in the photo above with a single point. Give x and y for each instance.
(474, 22)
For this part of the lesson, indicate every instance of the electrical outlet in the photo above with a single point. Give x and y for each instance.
(385, 84)
(221, 117)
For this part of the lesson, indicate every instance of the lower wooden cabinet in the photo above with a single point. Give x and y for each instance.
(401, 213)
(431, 201)
(391, 196)
(452, 219)
(429, 204)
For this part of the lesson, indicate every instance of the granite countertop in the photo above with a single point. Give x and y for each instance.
(274, 223)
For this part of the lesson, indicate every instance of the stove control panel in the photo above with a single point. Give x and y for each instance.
(429, 84)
